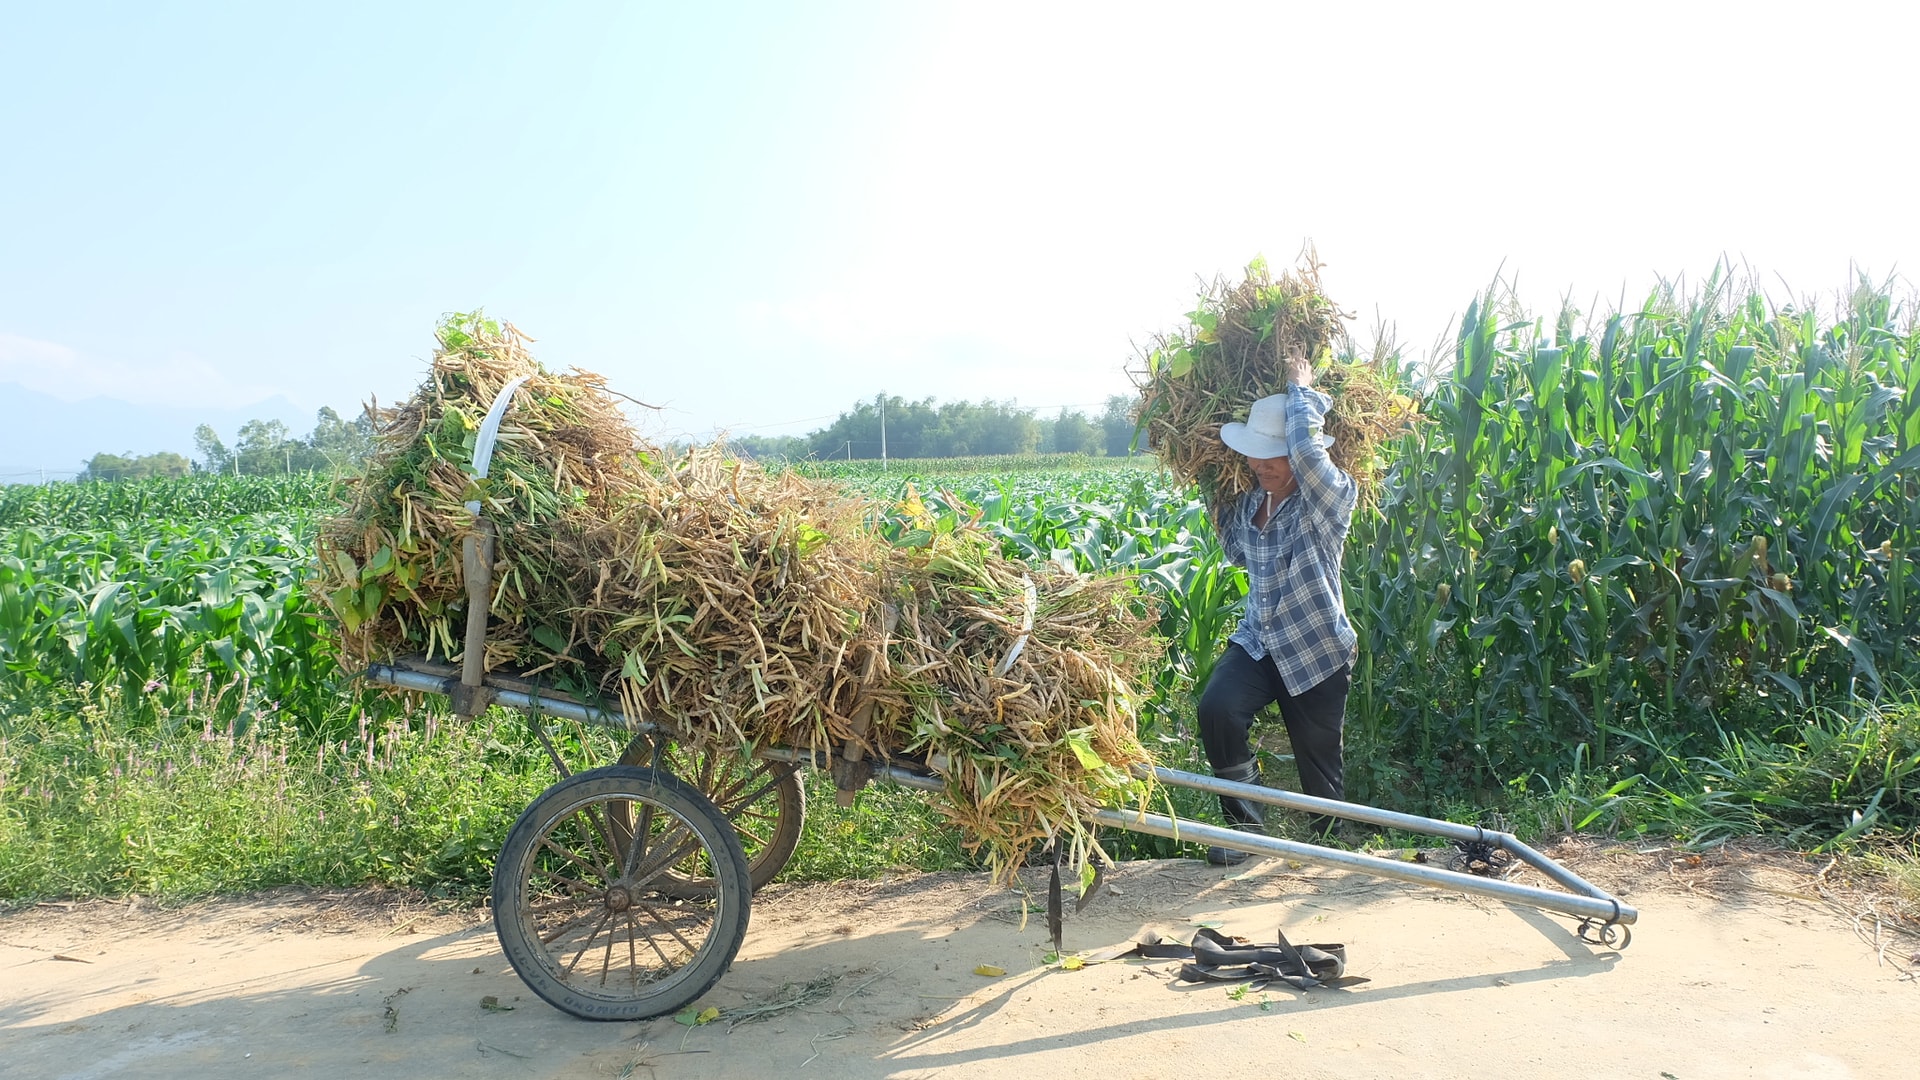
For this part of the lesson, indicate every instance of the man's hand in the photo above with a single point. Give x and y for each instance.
(1298, 371)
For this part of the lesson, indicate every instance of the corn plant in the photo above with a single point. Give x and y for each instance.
(200, 497)
(1704, 505)
(213, 613)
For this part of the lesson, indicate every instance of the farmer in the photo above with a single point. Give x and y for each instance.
(1294, 645)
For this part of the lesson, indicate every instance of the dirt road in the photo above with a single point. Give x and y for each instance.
(1742, 966)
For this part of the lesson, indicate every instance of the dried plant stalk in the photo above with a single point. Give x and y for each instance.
(737, 607)
(1232, 353)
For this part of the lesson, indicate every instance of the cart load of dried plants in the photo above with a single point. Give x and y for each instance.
(735, 606)
(1232, 352)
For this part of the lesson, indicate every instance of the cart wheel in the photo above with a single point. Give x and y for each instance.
(586, 899)
(764, 799)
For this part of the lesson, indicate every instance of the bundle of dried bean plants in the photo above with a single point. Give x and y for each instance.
(737, 607)
(1232, 352)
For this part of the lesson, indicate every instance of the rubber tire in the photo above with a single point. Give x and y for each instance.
(520, 938)
(789, 807)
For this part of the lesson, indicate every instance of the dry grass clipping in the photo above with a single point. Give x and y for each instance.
(737, 607)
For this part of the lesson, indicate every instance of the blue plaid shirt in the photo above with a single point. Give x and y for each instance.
(1295, 609)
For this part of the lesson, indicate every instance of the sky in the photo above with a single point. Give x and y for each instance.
(753, 215)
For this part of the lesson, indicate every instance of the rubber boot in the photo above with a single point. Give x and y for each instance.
(1240, 813)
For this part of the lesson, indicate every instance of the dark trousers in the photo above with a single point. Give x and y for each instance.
(1241, 686)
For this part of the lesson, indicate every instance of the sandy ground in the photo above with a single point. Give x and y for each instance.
(1743, 965)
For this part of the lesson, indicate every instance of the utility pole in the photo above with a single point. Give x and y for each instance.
(883, 431)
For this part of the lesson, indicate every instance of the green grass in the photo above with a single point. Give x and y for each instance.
(89, 807)
(95, 801)
(887, 828)
(1825, 783)
(1898, 864)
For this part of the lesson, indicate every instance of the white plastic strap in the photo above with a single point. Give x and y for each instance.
(490, 433)
(1026, 629)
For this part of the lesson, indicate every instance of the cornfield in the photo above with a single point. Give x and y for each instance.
(1621, 545)
(1633, 530)
(168, 616)
(200, 497)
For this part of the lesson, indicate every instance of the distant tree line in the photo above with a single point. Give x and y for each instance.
(130, 466)
(912, 429)
(263, 448)
(923, 429)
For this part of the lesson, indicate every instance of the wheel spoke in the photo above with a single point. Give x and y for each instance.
(733, 806)
(620, 823)
(669, 928)
(554, 935)
(633, 959)
(605, 918)
(656, 864)
(641, 830)
(552, 907)
(576, 888)
(606, 957)
(723, 793)
(652, 944)
(547, 843)
(607, 866)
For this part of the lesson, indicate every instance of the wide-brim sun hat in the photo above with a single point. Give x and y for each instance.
(1264, 435)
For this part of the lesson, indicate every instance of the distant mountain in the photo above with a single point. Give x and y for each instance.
(42, 433)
